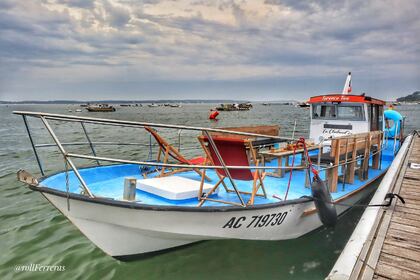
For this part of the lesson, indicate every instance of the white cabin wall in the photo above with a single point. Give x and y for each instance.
(317, 127)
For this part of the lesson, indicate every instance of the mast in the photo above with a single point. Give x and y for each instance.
(347, 85)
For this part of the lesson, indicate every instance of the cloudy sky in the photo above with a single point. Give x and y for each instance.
(247, 49)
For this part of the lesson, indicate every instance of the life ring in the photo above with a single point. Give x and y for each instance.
(395, 128)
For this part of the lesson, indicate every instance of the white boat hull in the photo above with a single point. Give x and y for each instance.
(123, 231)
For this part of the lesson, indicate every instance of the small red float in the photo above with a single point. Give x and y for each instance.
(213, 115)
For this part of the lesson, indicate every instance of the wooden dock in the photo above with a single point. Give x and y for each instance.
(392, 248)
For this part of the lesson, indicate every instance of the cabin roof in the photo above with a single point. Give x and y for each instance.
(351, 98)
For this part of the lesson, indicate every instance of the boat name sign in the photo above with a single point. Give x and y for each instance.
(275, 219)
(332, 131)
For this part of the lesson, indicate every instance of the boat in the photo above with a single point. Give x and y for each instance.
(78, 110)
(234, 107)
(303, 105)
(129, 208)
(153, 105)
(100, 108)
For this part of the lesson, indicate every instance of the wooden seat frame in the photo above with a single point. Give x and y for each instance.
(169, 151)
(350, 145)
(258, 176)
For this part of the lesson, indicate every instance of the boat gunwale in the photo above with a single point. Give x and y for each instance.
(140, 206)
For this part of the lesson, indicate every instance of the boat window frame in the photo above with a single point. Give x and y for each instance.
(336, 106)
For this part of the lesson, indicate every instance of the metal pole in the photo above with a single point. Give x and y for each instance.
(380, 151)
(60, 147)
(224, 166)
(395, 137)
(90, 142)
(33, 145)
(179, 139)
(294, 129)
(345, 163)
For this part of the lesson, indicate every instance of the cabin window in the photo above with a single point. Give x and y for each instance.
(352, 112)
(323, 111)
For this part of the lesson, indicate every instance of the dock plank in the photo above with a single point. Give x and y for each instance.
(399, 251)
(406, 210)
(392, 272)
(404, 236)
(401, 263)
(407, 228)
(408, 216)
(406, 221)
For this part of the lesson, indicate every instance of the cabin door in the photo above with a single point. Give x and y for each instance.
(375, 116)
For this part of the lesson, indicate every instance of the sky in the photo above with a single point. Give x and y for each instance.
(207, 49)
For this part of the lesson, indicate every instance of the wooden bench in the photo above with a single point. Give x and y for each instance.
(271, 130)
(347, 149)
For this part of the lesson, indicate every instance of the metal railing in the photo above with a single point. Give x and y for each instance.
(45, 117)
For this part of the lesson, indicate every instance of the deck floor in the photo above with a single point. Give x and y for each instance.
(394, 252)
(108, 181)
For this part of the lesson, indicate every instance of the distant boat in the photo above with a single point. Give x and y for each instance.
(234, 107)
(303, 105)
(175, 105)
(153, 105)
(100, 108)
(70, 110)
(78, 110)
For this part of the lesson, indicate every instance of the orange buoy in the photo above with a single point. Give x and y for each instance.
(213, 115)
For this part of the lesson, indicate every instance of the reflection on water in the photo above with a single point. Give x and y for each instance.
(33, 232)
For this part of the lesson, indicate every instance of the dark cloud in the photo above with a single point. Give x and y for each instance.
(257, 42)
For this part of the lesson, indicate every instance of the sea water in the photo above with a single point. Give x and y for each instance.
(34, 235)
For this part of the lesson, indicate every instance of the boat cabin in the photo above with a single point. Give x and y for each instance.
(335, 115)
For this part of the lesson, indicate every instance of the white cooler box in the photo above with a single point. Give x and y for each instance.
(174, 187)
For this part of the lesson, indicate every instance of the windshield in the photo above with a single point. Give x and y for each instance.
(338, 111)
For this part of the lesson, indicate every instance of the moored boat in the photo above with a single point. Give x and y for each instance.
(234, 107)
(244, 184)
(100, 108)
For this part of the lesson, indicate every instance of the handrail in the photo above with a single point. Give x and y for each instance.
(67, 156)
(67, 159)
(174, 165)
(46, 145)
(142, 124)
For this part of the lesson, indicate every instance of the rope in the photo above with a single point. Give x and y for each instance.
(389, 196)
(309, 167)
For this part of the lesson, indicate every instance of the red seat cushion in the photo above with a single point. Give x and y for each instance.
(233, 153)
(197, 161)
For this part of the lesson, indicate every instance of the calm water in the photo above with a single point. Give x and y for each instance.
(34, 232)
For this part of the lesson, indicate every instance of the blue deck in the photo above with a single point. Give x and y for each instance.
(108, 181)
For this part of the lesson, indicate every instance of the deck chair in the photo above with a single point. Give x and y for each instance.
(233, 152)
(169, 151)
